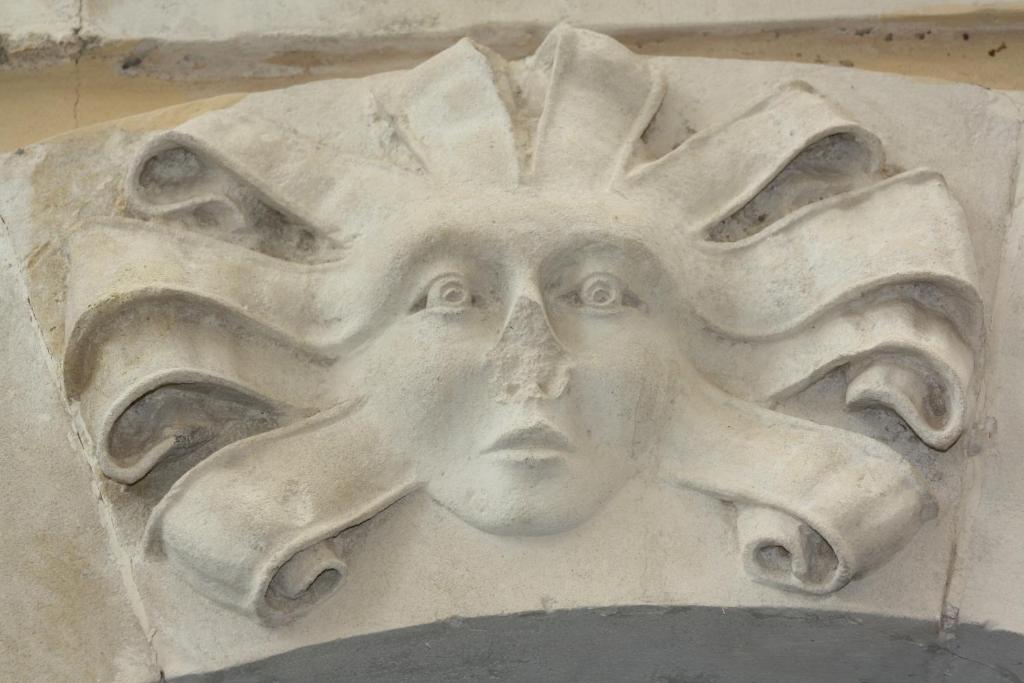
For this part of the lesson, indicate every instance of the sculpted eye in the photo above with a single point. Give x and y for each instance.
(601, 291)
(449, 291)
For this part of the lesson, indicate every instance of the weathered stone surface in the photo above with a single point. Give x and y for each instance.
(67, 616)
(32, 23)
(987, 587)
(65, 65)
(581, 330)
(197, 20)
(37, 26)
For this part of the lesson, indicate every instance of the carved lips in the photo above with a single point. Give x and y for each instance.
(533, 444)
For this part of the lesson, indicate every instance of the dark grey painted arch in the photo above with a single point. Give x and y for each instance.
(656, 644)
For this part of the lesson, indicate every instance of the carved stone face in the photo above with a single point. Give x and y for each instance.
(523, 358)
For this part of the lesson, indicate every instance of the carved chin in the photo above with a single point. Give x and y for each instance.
(524, 517)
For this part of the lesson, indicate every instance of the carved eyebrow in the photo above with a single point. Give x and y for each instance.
(579, 245)
(599, 240)
(453, 244)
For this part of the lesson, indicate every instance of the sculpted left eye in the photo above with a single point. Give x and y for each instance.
(602, 292)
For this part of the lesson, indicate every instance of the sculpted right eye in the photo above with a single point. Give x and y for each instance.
(601, 291)
(448, 292)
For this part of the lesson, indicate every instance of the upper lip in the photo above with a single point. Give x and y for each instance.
(536, 435)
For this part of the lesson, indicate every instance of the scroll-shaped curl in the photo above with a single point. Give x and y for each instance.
(590, 129)
(897, 354)
(880, 281)
(907, 230)
(841, 503)
(266, 545)
(177, 177)
(717, 171)
(811, 260)
(129, 285)
(119, 265)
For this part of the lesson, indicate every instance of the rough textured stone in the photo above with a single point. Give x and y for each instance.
(197, 20)
(65, 65)
(987, 587)
(67, 615)
(39, 20)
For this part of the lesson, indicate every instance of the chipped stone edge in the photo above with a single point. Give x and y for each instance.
(78, 441)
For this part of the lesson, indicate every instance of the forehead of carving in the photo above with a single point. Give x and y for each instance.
(509, 227)
(533, 249)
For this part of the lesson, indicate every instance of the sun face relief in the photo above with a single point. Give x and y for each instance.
(513, 304)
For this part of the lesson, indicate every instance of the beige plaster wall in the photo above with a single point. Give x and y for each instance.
(69, 68)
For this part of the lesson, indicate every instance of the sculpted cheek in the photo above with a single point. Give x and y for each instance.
(624, 390)
(428, 385)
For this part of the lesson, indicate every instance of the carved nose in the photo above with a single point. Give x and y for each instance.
(528, 362)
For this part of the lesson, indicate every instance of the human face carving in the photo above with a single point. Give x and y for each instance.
(525, 366)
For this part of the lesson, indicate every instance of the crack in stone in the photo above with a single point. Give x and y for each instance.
(79, 51)
(1003, 673)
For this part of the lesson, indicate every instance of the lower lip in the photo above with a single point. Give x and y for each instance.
(529, 457)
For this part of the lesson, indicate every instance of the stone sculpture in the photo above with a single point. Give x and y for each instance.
(491, 283)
